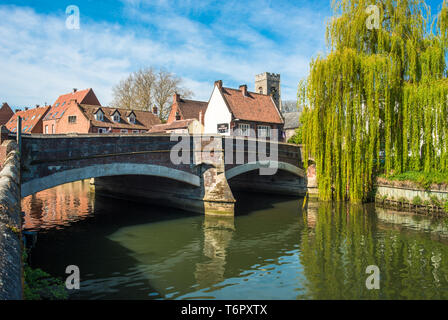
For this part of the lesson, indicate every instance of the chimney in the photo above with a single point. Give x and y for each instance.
(176, 97)
(218, 83)
(154, 110)
(37, 106)
(74, 90)
(243, 89)
(26, 108)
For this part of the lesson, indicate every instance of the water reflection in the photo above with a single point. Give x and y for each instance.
(347, 239)
(274, 248)
(218, 233)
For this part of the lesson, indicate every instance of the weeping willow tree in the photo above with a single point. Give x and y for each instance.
(379, 91)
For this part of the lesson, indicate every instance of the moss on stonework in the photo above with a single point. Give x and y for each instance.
(39, 285)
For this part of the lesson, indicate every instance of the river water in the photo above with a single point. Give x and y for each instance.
(274, 248)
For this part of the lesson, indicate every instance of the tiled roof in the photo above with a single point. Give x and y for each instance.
(190, 109)
(178, 124)
(86, 96)
(144, 119)
(252, 107)
(5, 113)
(291, 119)
(30, 118)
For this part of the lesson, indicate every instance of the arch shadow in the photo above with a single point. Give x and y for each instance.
(104, 170)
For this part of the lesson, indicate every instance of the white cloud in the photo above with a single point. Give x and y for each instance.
(42, 59)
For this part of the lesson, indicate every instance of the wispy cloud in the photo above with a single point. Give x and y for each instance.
(201, 43)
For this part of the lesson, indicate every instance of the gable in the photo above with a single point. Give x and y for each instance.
(252, 107)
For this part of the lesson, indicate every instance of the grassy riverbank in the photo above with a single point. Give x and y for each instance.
(425, 180)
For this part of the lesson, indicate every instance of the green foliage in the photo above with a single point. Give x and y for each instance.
(402, 201)
(421, 178)
(39, 285)
(377, 90)
(435, 201)
(446, 206)
(417, 201)
(297, 137)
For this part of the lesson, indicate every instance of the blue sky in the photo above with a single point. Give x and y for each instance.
(200, 41)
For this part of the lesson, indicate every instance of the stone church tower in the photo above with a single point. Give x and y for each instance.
(269, 83)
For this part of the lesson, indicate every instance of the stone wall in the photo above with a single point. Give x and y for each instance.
(10, 223)
(409, 194)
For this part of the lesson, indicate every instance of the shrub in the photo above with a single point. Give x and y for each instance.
(446, 206)
(417, 201)
(435, 201)
(402, 200)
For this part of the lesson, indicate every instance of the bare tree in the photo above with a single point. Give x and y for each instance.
(146, 88)
(166, 85)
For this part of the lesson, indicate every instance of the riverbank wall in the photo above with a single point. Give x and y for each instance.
(409, 196)
(11, 275)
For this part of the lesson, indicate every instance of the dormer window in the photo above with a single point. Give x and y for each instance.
(116, 116)
(177, 115)
(131, 118)
(99, 115)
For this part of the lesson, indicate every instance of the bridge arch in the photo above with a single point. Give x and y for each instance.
(243, 168)
(104, 170)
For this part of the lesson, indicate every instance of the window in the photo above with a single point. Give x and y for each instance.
(62, 104)
(24, 129)
(57, 104)
(46, 129)
(102, 130)
(264, 131)
(135, 131)
(33, 117)
(99, 116)
(260, 90)
(71, 119)
(52, 129)
(177, 115)
(116, 117)
(244, 129)
(124, 130)
(131, 118)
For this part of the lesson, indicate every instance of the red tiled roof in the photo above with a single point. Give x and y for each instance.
(143, 119)
(178, 124)
(30, 118)
(86, 96)
(5, 113)
(252, 107)
(190, 109)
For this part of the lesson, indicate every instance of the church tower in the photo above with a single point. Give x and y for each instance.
(269, 83)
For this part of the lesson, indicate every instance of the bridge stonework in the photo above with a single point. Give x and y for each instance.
(139, 167)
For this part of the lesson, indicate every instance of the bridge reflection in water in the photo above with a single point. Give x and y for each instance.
(271, 249)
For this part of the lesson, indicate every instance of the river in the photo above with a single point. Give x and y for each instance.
(274, 248)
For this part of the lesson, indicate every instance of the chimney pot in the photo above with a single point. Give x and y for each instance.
(37, 106)
(243, 89)
(74, 90)
(218, 83)
(26, 108)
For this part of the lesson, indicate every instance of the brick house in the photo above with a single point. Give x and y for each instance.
(32, 119)
(62, 103)
(5, 113)
(184, 109)
(85, 118)
(241, 112)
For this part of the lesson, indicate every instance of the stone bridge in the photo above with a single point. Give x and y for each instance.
(139, 167)
(193, 173)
